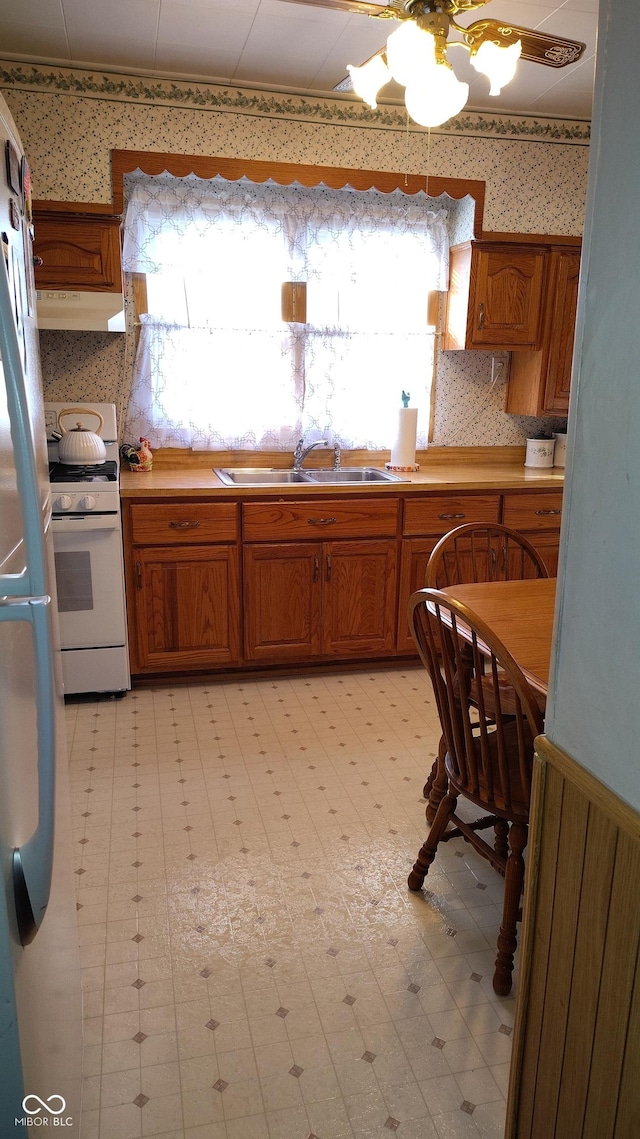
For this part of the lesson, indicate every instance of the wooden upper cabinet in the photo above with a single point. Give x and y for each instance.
(78, 252)
(495, 296)
(539, 381)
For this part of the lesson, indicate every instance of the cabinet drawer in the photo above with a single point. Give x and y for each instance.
(176, 523)
(316, 518)
(439, 513)
(533, 511)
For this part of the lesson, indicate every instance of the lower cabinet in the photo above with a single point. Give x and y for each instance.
(182, 568)
(319, 599)
(537, 515)
(219, 584)
(186, 607)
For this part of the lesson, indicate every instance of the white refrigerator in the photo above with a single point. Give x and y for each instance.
(40, 996)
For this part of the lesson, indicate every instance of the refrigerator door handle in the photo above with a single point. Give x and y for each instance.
(33, 579)
(33, 861)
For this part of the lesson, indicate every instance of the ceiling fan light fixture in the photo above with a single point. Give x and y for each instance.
(437, 97)
(496, 61)
(369, 79)
(411, 52)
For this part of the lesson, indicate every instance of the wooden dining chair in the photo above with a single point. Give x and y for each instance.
(481, 551)
(476, 551)
(488, 755)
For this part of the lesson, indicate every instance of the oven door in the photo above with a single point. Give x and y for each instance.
(89, 579)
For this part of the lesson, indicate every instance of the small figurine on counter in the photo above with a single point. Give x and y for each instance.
(129, 455)
(139, 458)
(145, 458)
(405, 397)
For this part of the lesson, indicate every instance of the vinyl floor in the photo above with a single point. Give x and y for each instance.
(254, 966)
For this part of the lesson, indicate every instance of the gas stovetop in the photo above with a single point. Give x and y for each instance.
(94, 473)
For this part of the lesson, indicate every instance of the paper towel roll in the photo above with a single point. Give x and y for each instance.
(403, 452)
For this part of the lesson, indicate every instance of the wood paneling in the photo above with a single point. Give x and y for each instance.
(576, 1053)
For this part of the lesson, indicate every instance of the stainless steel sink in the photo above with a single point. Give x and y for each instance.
(261, 476)
(353, 475)
(257, 476)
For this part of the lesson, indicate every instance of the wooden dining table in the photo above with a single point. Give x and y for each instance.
(520, 613)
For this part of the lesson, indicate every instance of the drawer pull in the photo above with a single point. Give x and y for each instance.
(187, 525)
(321, 521)
(548, 511)
(447, 516)
(481, 317)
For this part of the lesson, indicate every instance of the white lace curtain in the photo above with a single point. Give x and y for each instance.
(216, 366)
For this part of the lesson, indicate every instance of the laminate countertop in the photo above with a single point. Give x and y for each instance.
(441, 469)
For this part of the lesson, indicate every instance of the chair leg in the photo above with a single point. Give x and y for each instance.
(501, 841)
(428, 849)
(436, 786)
(507, 938)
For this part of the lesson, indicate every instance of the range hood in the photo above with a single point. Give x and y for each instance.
(74, 310)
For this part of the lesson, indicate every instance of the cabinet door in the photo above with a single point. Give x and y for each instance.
(548, 546)
(413, 567)
(565, 275)
(282, 601)
(506, 291)
(359, 598)
(185, 608)
(78, 253)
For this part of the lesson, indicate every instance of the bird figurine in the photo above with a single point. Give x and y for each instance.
(145, 458)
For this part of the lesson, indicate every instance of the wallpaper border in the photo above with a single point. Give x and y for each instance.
(206, 96)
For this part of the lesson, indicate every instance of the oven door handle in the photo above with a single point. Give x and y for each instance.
(82, 523)
(33, 861)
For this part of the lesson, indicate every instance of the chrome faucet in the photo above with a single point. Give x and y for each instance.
(301, 452)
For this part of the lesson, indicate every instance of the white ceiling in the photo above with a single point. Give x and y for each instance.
(284, 45)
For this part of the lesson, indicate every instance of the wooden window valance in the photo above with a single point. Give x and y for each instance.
(204, 166)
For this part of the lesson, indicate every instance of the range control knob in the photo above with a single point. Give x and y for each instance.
(87, 503)
(63, 502)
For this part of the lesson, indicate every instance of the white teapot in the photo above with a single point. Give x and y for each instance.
(80, 446)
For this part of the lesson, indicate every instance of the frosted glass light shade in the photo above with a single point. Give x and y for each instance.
(368, 79)
(437, 97)
(497, 63)
(411, 52)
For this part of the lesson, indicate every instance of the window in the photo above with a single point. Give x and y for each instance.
(218, 368)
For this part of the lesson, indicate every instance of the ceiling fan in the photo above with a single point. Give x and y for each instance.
(416, 53)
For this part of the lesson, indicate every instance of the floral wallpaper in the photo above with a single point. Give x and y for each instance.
(70, 119)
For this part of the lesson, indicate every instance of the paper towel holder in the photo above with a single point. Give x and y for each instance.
(403, 452)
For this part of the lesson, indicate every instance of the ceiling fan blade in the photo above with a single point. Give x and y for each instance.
(357, 7)
(538, 47)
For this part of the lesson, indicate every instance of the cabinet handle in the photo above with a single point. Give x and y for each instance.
(328, 567)
(139, 575)
(446, 516)
(481, 317)
(321, 521)
(185, 525)
(548, 511)
(316, 568)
